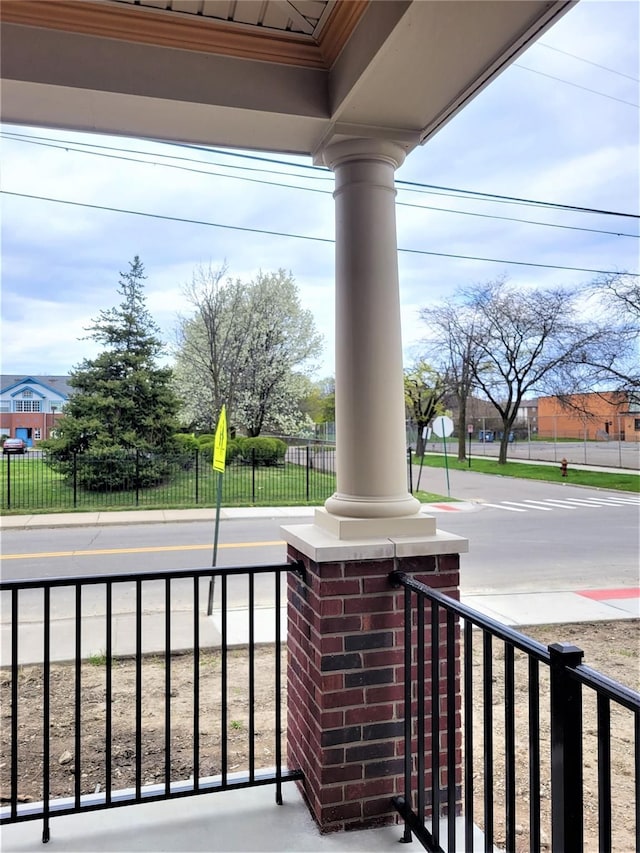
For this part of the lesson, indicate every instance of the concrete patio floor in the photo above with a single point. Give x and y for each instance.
(223, 822)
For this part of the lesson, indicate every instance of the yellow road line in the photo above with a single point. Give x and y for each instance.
(152, 549)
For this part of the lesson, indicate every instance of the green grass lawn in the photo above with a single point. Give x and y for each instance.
(551, 473)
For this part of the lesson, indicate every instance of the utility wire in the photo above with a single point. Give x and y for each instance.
(576, 85)
(66, 147)
(415, 186)
(588, 61)
(507, 199)
(301, 236)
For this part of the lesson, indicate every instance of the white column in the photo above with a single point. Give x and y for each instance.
(370, 411)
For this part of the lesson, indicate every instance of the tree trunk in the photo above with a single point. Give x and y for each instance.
(462, 431)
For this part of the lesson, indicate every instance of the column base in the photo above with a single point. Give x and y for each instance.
(349, 528)
(385, 508)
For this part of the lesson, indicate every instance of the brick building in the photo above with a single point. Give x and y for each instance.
(591, 417)
(31, 405)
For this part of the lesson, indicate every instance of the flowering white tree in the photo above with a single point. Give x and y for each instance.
(245, 345)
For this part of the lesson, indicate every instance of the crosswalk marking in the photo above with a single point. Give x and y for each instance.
(566, 506)
(515, 503)
(501, 506)
(551, 504)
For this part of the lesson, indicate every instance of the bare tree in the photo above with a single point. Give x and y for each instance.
(521, 341)
(451, 345)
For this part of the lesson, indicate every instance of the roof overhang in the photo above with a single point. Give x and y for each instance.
(396, 69)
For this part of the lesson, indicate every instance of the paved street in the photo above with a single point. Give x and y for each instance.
(538, 551)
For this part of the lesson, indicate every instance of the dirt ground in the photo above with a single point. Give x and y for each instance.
(611, 647)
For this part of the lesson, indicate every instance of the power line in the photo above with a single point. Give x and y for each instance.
(576, 85)
(69, 147)
(507, 198)
(289, 235)
(415, 186)
(588, 61)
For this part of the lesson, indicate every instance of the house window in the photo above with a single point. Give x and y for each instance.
(636, 424)
(28, 406)
(27, 393)
(5, 407)
(37, 435)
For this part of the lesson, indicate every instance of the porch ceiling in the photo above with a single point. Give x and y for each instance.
(280, 75)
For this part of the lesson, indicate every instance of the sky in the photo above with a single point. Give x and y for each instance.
(560, 126)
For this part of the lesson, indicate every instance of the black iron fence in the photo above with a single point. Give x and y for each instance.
(506, 748)
(95, 714)
(135, 479)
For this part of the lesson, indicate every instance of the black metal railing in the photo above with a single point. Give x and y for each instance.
(504, 752)
(133, 479)
(134, 628)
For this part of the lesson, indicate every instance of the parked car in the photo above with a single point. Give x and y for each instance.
(13, 445)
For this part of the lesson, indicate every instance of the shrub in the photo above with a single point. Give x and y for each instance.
(186, 449)
(265, 451)
(233, 449)
(119, 470)
(186, 441)
(206, 449)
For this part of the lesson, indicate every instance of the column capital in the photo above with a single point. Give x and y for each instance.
(349, 150)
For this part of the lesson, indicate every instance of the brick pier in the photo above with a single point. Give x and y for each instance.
(346, 683)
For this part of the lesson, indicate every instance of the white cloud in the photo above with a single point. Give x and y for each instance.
(525, 135)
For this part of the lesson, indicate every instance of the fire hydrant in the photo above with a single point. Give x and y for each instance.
(563, 467)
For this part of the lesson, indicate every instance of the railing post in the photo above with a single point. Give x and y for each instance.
(308, 469)
(197, 454)
(566, 750)
(409, 462)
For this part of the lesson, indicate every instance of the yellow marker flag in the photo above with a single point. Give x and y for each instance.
(220, 443)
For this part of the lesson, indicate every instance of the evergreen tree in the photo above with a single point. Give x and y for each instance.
(123, 406)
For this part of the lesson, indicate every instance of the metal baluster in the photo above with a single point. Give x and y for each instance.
(534, 755)
(604, 774)
(167, 686)
(468, 737)
(510, 745)
(46, 713)
(14, 700)
(223, 682)
(196, 684)
(78, 697)
(487, 675)
(109, 689)
(252, 692)
(138, 689)
(451, 731)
